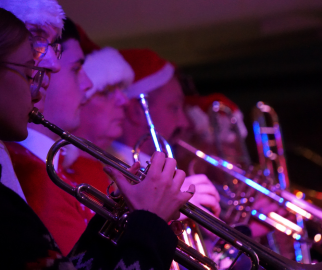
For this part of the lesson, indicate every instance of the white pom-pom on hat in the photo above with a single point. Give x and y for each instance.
(38, 12)
(107, 67)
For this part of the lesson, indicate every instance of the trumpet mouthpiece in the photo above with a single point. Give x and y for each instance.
(35, 116)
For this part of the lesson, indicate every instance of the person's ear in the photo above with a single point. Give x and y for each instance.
(134, 112)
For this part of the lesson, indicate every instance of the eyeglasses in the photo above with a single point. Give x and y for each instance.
(36, 80)
(110, 89)
(40, 47)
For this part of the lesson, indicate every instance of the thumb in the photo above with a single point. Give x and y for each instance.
(187, 195)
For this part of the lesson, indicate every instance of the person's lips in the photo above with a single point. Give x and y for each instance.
(45, 82)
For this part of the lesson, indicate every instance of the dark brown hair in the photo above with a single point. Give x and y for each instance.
(12, 33)
(70, 31)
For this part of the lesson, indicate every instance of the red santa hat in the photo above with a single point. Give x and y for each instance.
(87, 45)
(39, 12)
(107, 67)
(151, 71)
(199, 110)
(204, 102)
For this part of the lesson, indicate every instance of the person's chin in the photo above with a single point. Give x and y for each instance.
(116, 132)
(19, 135)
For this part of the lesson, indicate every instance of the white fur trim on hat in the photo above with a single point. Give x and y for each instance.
(38, 12)
(107, 67)
(152, 82)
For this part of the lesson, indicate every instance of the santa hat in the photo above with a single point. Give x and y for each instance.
(87, 45)
(199, 108)
(151, 71)
(204, 102)
(107, 67)
(39, 12)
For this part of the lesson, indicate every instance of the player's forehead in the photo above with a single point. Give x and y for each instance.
(48, 32)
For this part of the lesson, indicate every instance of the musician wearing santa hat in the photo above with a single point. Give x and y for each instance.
(102, 116)
(155, 77)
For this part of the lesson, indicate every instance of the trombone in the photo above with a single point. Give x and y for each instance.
(115, 212)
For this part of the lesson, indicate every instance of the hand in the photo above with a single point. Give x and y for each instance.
(265, 205)
(159, 192)
(206, 194)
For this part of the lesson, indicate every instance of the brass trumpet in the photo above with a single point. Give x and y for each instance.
(115, 212)
(191, 234)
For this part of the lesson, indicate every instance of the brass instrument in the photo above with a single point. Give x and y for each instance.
(113, 209)
(283, 197)
(213, 112)
(269, 144)
(116, 212)
(237, 198)
(272, 161)
(191, 235)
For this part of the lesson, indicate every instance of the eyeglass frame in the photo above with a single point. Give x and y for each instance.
(41, 72)
(60, 50)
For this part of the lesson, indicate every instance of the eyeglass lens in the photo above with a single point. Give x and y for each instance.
(36, 83)
(40, 47)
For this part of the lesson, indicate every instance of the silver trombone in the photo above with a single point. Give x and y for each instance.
(285, 198)
(115, 212)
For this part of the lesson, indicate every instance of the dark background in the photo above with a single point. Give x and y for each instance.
(288, 77)
(250, 50)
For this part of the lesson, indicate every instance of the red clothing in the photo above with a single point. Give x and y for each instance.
(89, 171)
(64, 217)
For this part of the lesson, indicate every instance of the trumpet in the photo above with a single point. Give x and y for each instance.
(191, 234)
(115, 212)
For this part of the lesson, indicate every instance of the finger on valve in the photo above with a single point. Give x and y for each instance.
(160, 195)
(157, 163)
(207, 202)
(169, 168)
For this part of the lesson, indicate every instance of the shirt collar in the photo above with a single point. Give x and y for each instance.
(39, 144)
(8, 177)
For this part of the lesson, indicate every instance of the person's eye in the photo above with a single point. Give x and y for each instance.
(28, 73)
(77, 68)
(29, 78)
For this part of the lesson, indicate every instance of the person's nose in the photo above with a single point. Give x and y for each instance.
(183, 121)
(86, 82)
(85, 85)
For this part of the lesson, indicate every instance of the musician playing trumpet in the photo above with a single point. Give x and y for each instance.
(147, 242)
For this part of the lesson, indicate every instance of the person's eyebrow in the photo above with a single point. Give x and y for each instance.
(56, 39)
(39, 31)
(80, 61)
